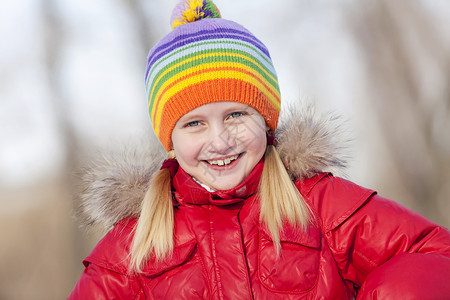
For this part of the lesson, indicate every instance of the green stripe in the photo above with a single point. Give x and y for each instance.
(216, 41)
(202, 60)
(212, 59)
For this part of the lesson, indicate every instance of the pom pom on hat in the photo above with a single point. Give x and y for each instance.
(188, 11)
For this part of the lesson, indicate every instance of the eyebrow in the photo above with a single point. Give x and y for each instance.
(191, 118)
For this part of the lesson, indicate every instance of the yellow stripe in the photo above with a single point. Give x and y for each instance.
(202, 56)
(205, 67)
(211, 76)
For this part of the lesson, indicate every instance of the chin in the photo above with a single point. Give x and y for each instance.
(226, 184)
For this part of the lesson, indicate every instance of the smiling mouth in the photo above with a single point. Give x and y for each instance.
(223, 162)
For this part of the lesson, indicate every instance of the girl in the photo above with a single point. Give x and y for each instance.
(238, 211)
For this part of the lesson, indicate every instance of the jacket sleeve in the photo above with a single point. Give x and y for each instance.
(100, 283)
(384, 249)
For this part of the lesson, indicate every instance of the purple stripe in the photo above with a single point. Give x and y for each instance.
(200, 36)
(179, 40)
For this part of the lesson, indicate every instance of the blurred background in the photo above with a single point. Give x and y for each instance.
(72, 85)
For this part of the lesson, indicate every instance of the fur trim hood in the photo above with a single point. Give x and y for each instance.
(115, 184)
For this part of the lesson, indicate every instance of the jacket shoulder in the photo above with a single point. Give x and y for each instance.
(112, 251)
(332, 199)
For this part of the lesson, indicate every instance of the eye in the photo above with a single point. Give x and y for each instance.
(237, 114)
(192, 124)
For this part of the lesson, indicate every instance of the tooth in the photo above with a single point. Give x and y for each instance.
(223, 162)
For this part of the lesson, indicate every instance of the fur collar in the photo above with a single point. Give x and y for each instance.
(115, 184)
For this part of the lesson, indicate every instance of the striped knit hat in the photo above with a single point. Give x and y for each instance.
(207, 59)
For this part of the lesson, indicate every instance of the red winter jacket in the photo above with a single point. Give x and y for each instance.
(362, 244)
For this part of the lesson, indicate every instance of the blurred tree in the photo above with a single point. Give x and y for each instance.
(408, 74)
(45, 237)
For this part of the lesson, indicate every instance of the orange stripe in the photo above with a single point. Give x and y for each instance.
(211, 94)
(210, 70)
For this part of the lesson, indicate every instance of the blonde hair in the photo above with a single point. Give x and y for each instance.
(279, 197)
(280, 201)
(154, 229)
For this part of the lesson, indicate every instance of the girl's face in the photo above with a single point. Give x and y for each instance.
(220, 143)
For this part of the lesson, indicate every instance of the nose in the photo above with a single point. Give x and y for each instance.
(222, 139)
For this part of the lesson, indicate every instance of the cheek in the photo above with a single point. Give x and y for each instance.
(255, 139)
(260, 144)
(186, 148)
